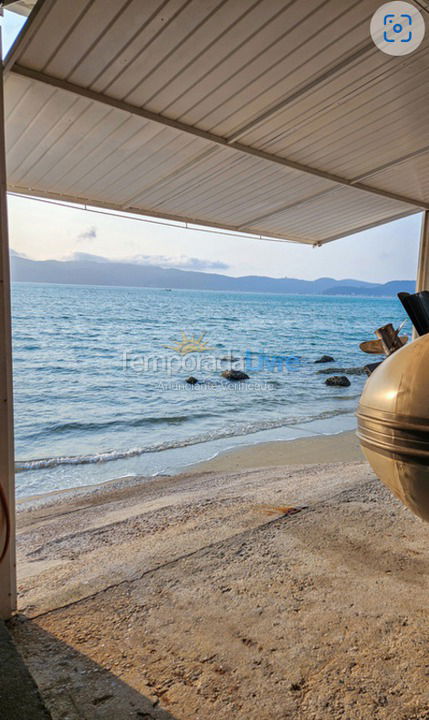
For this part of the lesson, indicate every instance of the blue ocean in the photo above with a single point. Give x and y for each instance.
(100, 372)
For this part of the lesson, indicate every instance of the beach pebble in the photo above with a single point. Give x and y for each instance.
(191, 380)
(235, 375)
(338, 380)
(325, 358)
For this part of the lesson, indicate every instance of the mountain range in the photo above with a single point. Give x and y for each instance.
(94, 272)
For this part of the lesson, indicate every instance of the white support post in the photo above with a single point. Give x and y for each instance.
(422, 282)
(7, 480)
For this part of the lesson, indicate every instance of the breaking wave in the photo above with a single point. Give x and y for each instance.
(112, 455)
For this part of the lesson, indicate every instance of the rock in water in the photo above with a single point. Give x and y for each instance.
(235, 375)
(345, 371)
(338, 380)
(325, 358)
(191, 380)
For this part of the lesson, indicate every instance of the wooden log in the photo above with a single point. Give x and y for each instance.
(389, 338)
(375, 347)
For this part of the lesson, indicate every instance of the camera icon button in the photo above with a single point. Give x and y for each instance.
(397, 28)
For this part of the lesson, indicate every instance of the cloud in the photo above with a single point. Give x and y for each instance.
(89, 234)
(180, 262)
(87, 257)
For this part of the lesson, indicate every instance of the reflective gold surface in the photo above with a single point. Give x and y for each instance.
(393, 424)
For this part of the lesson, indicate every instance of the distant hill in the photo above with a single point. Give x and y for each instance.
(94, 272)
(390, 288)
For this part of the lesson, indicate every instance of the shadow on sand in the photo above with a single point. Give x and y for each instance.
(73, 686)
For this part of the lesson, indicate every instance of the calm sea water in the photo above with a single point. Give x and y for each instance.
(98, 395)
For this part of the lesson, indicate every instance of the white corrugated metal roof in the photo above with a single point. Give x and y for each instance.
(21, 7)
(274, 117)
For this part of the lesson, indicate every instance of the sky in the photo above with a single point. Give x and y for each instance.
(42, 231)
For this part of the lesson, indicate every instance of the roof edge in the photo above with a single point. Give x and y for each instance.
(204, 225)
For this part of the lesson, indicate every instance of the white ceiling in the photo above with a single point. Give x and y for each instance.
(274, 117)
(21, 7)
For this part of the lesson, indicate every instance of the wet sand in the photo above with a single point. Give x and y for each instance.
(343, 447)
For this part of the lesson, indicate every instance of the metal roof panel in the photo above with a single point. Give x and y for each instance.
(265, 115)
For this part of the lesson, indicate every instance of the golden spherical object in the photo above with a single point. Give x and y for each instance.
(393, 424)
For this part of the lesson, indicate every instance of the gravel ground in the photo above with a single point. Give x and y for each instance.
(201, 597)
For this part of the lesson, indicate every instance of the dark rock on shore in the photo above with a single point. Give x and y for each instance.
(191, 380)
(235, 375)
(369, 369)
(343, 371)
(325, 359)
(338, 380)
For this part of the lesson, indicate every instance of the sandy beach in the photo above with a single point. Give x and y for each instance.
(343, 447)
(274, 581)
